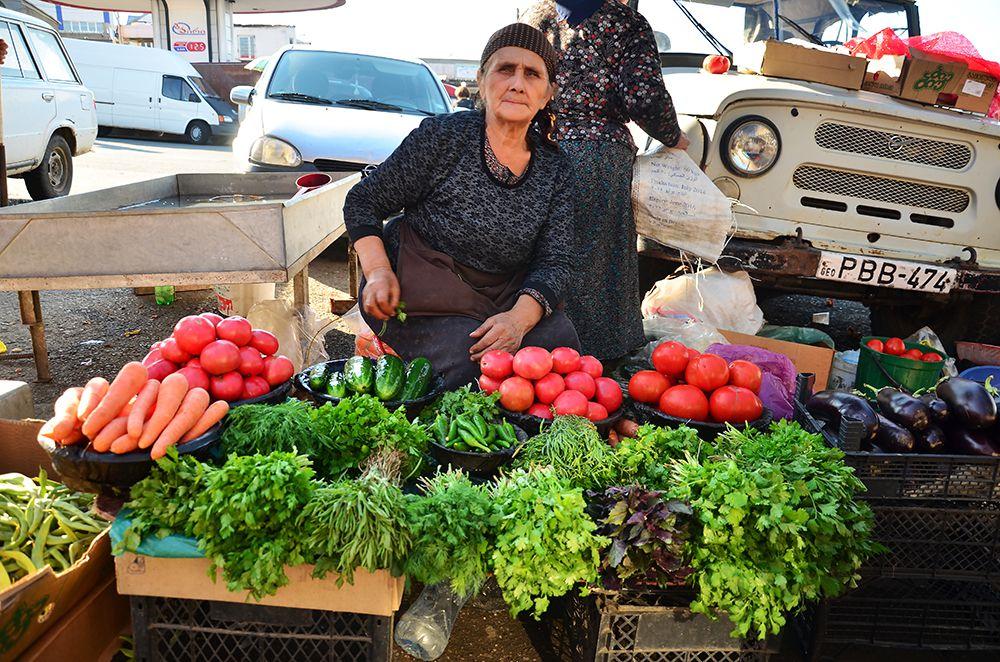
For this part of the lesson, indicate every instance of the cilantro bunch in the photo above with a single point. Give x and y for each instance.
(464, 402)
(643, 460)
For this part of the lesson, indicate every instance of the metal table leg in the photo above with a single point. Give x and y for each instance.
(31, 316)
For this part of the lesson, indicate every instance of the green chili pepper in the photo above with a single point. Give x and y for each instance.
(480, 424)
(441, 427)
(460, 446)
(453, 429)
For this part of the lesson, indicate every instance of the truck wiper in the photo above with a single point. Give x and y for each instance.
(372, 104)
(808, 35)
(718, 45)
(298, 96)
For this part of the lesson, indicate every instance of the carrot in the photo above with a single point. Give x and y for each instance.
(212, 415)
(68, 401)
(93, 392)
(65, 420)
(75, 437)
(130, 380)
(124, 444)
(110, 432)
(195, 404)
(143, 404)
(172, 391)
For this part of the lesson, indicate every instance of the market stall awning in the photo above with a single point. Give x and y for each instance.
(239, 6)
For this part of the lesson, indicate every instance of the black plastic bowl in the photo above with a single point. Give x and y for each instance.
(707, 431)
(413, 407)
(113, 475)
(477, 464)
(533, 424)
(275, 397)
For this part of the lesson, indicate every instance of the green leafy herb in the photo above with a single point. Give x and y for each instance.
(464, 402)
(643, 460)
(572, 446)
(286, 427)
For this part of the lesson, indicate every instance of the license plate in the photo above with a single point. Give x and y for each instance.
(886, 273)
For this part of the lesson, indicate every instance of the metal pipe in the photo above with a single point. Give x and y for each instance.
(777, 20)
(208, 21)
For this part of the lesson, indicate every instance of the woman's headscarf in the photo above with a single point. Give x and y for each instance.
(576, 12)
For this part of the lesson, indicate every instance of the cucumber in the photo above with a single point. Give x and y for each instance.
(389, 377)
(359, 374)
(418, 379)
(337, 386)
(319, 377)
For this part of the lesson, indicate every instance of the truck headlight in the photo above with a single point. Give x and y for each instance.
(225, 119)
(268, 150)
(750, 146)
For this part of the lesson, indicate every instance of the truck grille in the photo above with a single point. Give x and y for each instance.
(894, 146)
(883, 189)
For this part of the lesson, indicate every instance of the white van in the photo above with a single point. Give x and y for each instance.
(151, 89)
(48, 114)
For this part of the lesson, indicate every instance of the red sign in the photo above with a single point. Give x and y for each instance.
(190, 46)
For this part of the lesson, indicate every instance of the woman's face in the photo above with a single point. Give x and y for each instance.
(515, 85)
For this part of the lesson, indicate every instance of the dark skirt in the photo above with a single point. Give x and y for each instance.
(603, 300)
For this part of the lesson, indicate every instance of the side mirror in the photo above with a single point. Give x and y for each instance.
(242, 95)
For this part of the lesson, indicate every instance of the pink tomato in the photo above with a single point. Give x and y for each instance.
(171, 351)
(228, 387)
(532, 363)
(591, 366)
(220, 357)
(160, 369)
(254, 387)
(548, 388)
(197, 378)
(497, 364)
(570, 403)
(516, 394)
(609, 393)
(151, 358)
(251, 362)
(582, 382)
(488, 384)
(264, 342)
(278, 370)
(193, 333)
(236, 330)
(541, 411)
(596, 412)
(565, 360)
(213, 318)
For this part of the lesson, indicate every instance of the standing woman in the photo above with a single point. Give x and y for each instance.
(609, 74)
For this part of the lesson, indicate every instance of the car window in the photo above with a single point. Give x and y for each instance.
(54, 62)
(177, 88)
(28, 67)
(11, 67)
(18, 63)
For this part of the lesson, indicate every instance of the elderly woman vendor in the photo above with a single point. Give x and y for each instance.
(482, 254)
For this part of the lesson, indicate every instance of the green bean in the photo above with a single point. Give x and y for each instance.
(38, 549)
(54, 553)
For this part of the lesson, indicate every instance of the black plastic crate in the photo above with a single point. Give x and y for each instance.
(907, 614)
(170, 629)
(648, 626)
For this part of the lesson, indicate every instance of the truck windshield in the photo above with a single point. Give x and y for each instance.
(710, 26)
(203, 87)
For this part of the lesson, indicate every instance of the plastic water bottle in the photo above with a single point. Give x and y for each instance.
(425, 628)
(164, 294)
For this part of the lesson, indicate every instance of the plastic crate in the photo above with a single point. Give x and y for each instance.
(907, 614)
(169, 629)
(648, 626)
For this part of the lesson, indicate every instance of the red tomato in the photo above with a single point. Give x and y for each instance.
(716, 64)
(732, 404)
(151, 358)
(278, 370)
(692, 353)
(596, 412)
(171, 351)
(894, 346)
(541, 411)
(591, 366)
(876, 345)
(193, 363)
(236, 330)
(609, 393)
(497, 364)
(251, 362)
(197, 378)
(932, 357)
(670, 358)
(548, 388)
(516, 394)
(160, 369)
(488, 384)
(582, 382)
(193, 333)
(228, 387)
(647, 386)
(570, 403)
(213, 318)
(155, 345)
(565, 360)
(684, 401)
(264, 342)
(532, 362)
(254, 387)
(914, 354)
(745, 374)
(220, 357)
(707, 371)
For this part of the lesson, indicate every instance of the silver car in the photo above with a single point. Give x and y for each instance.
(317, 109)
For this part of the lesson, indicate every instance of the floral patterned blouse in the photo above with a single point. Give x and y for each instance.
(609, 73)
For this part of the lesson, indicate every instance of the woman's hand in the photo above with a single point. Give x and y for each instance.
(682, 142)
(505, 331)
(381, 294)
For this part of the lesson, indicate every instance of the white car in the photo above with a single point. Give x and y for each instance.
(316, 109)
(49, 115)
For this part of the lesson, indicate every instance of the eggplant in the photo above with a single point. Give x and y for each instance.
(831, 406)
(937, 406)
(893, 438)
(931, 440)
(970, 442)
(903, 409)
(969, 402)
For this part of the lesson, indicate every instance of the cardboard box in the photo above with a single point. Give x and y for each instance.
(930, 79)
(976, 92)
(34, 604)
(785, 60)
(376, 593)
(806, 358)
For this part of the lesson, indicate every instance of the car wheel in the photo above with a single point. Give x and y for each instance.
(198, 133)
(54, 175)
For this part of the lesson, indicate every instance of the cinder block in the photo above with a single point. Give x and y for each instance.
(15, 400)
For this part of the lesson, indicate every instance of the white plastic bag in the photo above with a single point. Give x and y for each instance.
(299, 331)
(681, 327)
(676, 205)
(925, 336)
(726, 301)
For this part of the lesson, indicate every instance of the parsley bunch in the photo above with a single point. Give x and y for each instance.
(643, 460)
(464, 402)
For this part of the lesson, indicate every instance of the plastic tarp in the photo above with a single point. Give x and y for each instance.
(169, 547)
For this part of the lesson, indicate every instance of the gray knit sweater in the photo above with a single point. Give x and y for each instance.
(438, 177)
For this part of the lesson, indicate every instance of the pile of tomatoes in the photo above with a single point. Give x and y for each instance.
(699, 387)
(225, 356)
(896, 347)
(542, 383)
